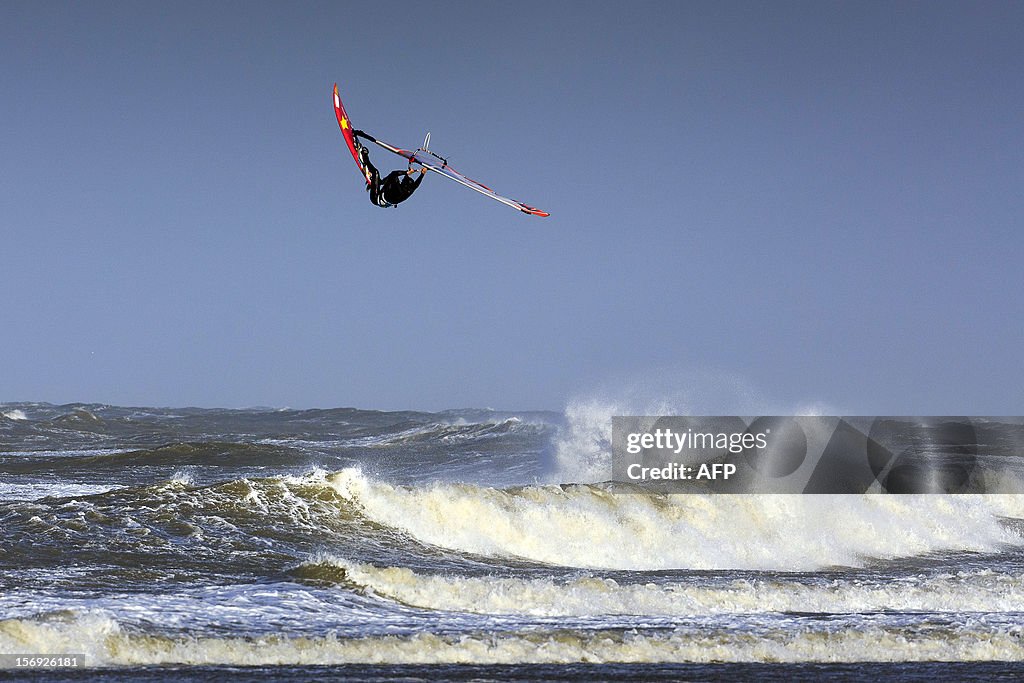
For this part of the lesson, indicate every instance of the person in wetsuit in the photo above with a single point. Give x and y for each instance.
(396, 187)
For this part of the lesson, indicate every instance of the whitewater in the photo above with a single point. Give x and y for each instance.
(287, 541)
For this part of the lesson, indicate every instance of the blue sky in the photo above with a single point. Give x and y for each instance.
(822, 200)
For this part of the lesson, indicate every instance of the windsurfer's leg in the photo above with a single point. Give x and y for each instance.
(364, 158)
(374, 185)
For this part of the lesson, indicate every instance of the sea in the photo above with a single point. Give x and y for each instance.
(188, 544)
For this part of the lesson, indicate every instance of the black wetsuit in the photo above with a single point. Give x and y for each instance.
(396, 187)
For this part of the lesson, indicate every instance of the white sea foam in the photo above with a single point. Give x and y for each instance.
(15, 415)
(983, 591)
(586, 526)
(37, 490)
(104, 643)
(183, 477)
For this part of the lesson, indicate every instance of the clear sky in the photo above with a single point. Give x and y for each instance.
(821, 200)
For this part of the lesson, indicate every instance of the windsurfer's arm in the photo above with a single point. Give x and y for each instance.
(410, 183)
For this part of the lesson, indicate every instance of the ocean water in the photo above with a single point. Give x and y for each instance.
(194, 544)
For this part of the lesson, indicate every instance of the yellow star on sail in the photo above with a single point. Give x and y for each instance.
(344, 123)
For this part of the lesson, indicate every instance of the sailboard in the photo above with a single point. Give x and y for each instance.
(425, 158)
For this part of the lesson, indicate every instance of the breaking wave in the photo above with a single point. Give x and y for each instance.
(445, 433)
(587, 526)
(104, 642)
(595, 596)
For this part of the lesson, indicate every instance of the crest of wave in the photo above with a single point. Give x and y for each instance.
(583, 448)
(585, 526)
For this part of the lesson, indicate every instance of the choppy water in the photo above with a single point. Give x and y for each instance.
(214, 539)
